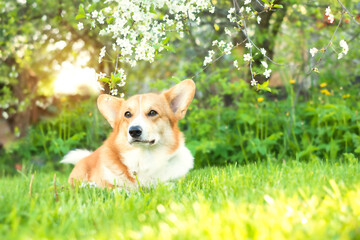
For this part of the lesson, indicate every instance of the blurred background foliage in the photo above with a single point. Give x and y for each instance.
(305, 117)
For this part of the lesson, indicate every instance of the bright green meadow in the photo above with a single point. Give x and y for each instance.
(268, 200)
(279, 160)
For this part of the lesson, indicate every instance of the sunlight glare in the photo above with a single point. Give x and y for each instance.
(73, 79)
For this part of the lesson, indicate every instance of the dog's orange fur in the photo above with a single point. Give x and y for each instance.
(89, 169)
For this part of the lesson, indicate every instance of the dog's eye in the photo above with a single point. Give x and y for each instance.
(127, 114)
(152, 113)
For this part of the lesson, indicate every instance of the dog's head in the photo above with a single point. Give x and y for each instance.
(148, 120)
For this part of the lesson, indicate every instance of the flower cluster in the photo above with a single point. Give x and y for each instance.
(139, 30)
(102, 54)
(345, 49)
(343, 44)
(122, 77)
(224, 47)
(209, 58)
(328, 14)
(240, 16)
(236, 65)
(267, 71)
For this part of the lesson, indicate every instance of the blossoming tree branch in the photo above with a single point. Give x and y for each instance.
(139, 31)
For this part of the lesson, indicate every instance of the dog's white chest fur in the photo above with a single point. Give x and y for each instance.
(153, 166)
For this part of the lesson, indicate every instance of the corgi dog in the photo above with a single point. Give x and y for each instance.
(145, 147)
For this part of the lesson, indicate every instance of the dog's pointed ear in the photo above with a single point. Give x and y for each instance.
(109, 107)
(180, 96)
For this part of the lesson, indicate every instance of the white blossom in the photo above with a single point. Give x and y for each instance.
(94, 14)
(313, 51)
(114, 92)
(263, 51)
(99, 86)
(227, 31)
(107, 10)
(253, 82)
(230, 15)
(258, 19)
(5, 115)
(345, 49)
(228, 48)
(264, 64)
(247, 57)
(246, 2)
(236, 64)
(207, 60)
(100, 75)
(103, 32)
(80, 25)
(221, 43)
(327, 11)
(267, 73)
(212, 9)
(121, 84)
(248, 45)
(248, 9)
(102, 53)
(331, 18)
(122, 77)
(101, 18)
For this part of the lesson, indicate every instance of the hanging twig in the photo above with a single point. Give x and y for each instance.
(216, 59)
(348, 12)
(312, 69)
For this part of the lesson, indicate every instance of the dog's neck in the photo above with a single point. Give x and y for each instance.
(146, 160)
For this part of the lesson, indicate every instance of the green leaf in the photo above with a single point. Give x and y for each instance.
(278, 6)
(265, 1)
(81, 12)
(115, 80)
(264, 86)
(106, 80)
(156, 46)
(91, 8)
(165, 41)
(267, 89)
(110, 20)
(170, 48)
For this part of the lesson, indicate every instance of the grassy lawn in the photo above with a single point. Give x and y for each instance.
(290, 200)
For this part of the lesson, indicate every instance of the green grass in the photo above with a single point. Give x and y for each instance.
(292, 200)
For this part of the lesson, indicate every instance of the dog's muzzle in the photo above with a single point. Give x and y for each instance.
(135, 132)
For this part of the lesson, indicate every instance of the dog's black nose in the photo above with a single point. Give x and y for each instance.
(135, 131)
